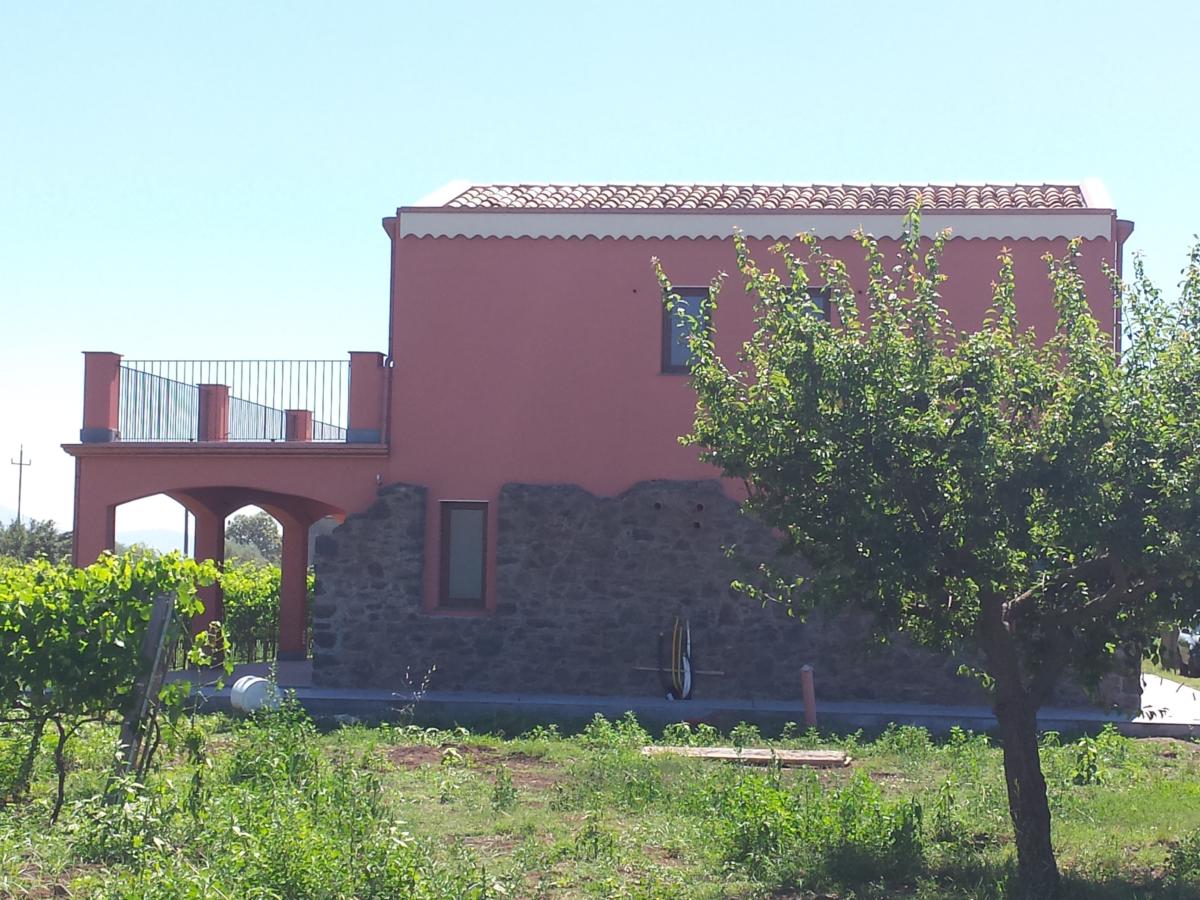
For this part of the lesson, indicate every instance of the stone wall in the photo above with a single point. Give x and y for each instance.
(369, 575)
(585, 585)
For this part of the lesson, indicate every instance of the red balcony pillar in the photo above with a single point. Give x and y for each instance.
(101, 397)
(210, 544)
(214, 412)
(368, 378)
(95, 522)
(298, 424)
(293, 590)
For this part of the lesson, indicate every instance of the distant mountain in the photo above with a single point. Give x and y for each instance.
(163, 540)
(8, 515)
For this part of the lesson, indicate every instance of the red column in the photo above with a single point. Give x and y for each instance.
(95, 523)
(214, 412)
(367, 380)
(299, 424)
(293, 590)
(210, 544)
(101, 397)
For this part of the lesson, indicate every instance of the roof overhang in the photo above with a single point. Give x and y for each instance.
(445, 214)
(765, 224)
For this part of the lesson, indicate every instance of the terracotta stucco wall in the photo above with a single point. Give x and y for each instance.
(538, 360)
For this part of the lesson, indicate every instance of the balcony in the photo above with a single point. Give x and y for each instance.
(191, 402)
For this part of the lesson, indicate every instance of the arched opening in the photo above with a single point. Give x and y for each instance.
(295, 516)
(156, 522)
(253, 535)
(269, 529)
(253, 586)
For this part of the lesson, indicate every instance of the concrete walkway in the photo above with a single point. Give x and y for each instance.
(1170, 701)
(1169, 709)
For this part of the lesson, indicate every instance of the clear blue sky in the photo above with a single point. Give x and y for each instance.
(206, 180)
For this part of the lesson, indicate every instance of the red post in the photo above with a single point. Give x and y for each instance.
(293, 591)
(298, 425)
(210, 544)
(101, 397)
(214, 412)
(95, 524)
(810, 696)
(367, 380)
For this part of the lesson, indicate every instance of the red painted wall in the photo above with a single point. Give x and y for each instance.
(538, 360)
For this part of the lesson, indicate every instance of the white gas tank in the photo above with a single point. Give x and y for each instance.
(251, 693)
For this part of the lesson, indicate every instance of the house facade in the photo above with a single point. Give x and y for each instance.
(517, 512)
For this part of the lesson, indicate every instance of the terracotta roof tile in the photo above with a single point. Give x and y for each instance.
(770, 197)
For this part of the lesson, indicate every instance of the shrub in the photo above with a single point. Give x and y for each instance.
(615, 770)
(1183, 863)
(504, 793)
(848, 834)
(625, 732)
(745, 735)
(684, 734)
(595, 841)
(275, 745)
(909, 742)
(121, 828)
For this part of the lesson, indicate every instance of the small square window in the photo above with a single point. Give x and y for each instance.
(821, 297)
(676, 355)
(463, 555)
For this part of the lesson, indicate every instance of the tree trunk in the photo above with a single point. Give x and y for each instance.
(25, 772)
(1027, 802)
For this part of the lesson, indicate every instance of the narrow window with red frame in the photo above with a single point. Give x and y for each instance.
(820, 296)
(464, 551)
(677, 325)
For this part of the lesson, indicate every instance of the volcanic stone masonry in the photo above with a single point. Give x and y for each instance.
(584, 587)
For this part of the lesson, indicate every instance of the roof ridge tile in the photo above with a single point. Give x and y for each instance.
(760, 195)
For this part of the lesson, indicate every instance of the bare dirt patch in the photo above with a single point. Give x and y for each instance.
(39, 886)
(528, 772)
(1173, 748)
(490, 844)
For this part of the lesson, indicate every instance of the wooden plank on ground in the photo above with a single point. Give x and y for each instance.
(758, 756)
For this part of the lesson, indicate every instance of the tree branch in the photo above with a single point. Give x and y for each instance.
(1114, 597)
(1074, 574)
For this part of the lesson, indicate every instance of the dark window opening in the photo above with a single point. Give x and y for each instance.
(464, 555)
(821, 297)
(676, 355)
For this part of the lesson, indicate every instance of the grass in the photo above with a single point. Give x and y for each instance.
(1155, 669)
(274, 808)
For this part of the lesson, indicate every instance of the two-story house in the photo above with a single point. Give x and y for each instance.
(517, 508)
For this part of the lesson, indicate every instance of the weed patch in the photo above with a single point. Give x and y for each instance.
(270, 806)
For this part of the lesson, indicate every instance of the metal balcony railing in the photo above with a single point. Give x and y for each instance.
(159, 400)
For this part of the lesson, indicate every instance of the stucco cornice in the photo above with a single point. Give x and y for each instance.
(762, 224)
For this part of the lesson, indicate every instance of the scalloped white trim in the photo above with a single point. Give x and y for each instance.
(541, 224)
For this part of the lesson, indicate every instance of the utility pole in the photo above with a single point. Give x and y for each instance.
(21, 464)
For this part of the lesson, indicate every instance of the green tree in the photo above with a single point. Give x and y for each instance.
(259, 531)
(236, 554)
(34, 539)
(71, 642)
(1035, 504)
